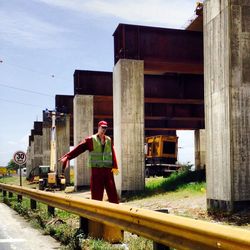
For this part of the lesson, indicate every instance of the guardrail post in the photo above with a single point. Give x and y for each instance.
(19, 198)
(101, 231)
(51, 211)
(84, 225)
(112, 234)
(10, 194)
(158, 246)
(95, 229)
(33, 204)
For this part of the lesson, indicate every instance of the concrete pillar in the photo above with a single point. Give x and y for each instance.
(200, 149)
(38, 153)
(31, 158)
(227, 103)
(63, 142)
(46, 143)
(28, 162)
(83, 127)
(128, 106)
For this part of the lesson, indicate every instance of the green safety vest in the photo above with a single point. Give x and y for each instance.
(98, 157)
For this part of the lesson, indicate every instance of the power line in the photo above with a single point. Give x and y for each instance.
(44, 74)
(25, 90)
(26, 104)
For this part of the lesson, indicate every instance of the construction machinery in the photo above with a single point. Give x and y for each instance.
(49, 176)
(161, 154)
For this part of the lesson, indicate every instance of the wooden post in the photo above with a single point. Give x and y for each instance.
(51, 211)
(84, 225)
(19, 198)
(33, 204)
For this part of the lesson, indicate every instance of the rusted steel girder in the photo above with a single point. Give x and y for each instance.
(93, 83)
(37, 130)
(64, 103)
(176, 99)
(171, 86)
(103, 107)
(161, 114)
(163, 50)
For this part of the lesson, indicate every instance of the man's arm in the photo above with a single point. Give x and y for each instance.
(115, 165)
(86, 144)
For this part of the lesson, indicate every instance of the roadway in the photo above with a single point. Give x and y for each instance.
(17, 234)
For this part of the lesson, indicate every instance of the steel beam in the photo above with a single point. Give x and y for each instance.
(163, 50)
(93, 83)
(64, 103)
(175, 86)
(38, 128)
(176, 99)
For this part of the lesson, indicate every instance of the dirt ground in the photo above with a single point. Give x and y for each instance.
(193, 206)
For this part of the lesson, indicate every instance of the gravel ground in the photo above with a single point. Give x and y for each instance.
(193, 206)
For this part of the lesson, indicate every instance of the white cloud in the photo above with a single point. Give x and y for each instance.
(22, 30)
(152, 12)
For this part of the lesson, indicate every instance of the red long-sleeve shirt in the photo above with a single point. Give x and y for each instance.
(87, 144)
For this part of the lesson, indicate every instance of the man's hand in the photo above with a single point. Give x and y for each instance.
(65, 162)
(115, 171)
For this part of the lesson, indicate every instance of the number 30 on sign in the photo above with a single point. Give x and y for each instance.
(19, 158)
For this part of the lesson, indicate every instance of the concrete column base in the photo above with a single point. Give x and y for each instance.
(227, 206)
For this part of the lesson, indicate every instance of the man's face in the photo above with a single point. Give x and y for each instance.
(102, 130)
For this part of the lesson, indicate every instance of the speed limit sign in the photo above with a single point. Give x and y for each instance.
(19, 158)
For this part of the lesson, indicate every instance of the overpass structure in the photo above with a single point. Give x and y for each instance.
(170, 100)
(157, 86)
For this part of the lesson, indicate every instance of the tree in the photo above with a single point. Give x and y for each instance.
(12, 165)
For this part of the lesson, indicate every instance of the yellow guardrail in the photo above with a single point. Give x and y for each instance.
(170, 230)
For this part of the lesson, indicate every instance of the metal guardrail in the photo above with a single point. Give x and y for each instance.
(170, 230)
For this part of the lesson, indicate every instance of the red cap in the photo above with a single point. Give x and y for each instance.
(103, 124)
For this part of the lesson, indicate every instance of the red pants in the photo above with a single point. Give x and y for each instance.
(103, 178)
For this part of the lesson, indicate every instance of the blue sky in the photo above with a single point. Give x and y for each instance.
(42, 42)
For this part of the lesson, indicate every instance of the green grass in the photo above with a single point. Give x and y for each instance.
(173, 182)
(183, 180)
(15, 180)
(11, 180)
(97, 244)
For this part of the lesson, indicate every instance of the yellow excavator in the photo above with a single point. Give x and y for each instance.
(49, 176)
(161, 153)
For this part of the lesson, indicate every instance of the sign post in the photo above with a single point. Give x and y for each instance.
(20, 158)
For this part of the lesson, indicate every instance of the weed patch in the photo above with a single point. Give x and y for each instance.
(185, 179)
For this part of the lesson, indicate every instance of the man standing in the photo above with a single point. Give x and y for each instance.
(102, 161)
